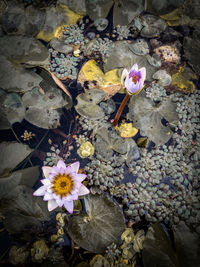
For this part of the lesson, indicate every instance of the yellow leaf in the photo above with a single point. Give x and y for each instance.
(69, 17)
(143, 142)
(109, 82)
(127, 130)
(182, 78)
(86, 150)
(176, 18)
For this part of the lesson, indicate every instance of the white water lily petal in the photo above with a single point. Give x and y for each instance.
(83, 191)
(143, 71)
(40, 191)
(52, 204)
(61, 164)
(79, 177)
(69, 205)
(75, 166)
(47, 196)
(124, 75)
(45, 182)
(46, 171)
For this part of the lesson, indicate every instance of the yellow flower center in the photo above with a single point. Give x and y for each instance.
(62, 185)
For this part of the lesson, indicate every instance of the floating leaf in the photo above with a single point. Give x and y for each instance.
(157, 249)
(176, 18)
(86, 150)
(56, 19)
(142, 142)
(99, 261)
(147, 117)
(127, 130)
(11, 154)
(102, 224)
(182, 80)
(109, 82)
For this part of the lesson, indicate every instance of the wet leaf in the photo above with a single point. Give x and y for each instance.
(127, 130)
(11, 154)
(99, 261)
(102, 224)
(109, 82)
(182, 80)
(147, 117)
(157, 249)
(56, 19)
(142, 142)
(176, 18)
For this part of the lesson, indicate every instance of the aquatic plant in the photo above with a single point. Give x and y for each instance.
(103, 46)
(122, 32)
(73, 34)
(27, 135)
(62, 185)
(155, 92)
(134, 81)
(86, 150)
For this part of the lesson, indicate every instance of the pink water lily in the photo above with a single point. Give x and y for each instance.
(62, 185)
(134, 79)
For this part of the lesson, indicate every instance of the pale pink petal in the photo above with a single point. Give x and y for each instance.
(68, 170)
(45, 181)
(83, 191)
(52, 204)
(71, 197)
(49, 190)
(40, 191)
(55, 170)
(79, 177)
(46, 171)
(63, 170)
(60, 202)
(124, 75)
(48, 196)
(69, 205)
(135, 67)
(127, 81)
(143, 71)
(56, 196)
(75, 166)
(61, 164)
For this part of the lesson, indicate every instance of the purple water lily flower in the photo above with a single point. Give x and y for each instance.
(134, 79)
(62, 185)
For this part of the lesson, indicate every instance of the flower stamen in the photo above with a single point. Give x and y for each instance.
(62, 185)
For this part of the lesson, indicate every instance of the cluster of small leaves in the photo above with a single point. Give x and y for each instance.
(54, 156)
(156, 92)
(73, 34)
(63, 66)
(103, 46)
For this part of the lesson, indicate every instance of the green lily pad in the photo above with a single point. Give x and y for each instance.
(122, 57)
(147, 117)
(157, 249)
(11, 154)
(102, 224)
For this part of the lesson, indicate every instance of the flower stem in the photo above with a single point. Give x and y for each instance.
(119, 112)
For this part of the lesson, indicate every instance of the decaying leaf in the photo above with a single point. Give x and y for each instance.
(142, 142)
(109, 82)
(56, 19)
(176, 17)
(127, 130)
(147, 117)
(182, 80)
(102, 224)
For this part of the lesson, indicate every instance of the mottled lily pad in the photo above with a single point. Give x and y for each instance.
(123, 12)
(157, 249)
(163, 77)
(147, 117)
(108, 141)
(87, 105)
(49, 119)
(19, 20)
(61, 46)
(24, 49)
(154, 60)
(12, 109)
(139, 47)
(11, 154)
(153, 26)
(122, 57)
(101, 24)
(15, 78)
(78, 6)
(102, 224)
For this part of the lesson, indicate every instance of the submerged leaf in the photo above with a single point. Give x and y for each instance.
(102, 224)
(109, 82)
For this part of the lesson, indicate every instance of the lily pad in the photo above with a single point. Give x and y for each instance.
(108, 141)
(102, 224)
(61, 46)
(11, 154)
(19, 20)
(157, 249)
(12, 109)
(49, 119)
(139, 47)
(147, 117)
(154, 60)
(24, 49)
(122, 57)
(15, 78)
(101, 24)
(163, 77)
(78, 6)
(87, 105)
(56, 18)
(191, 50)
(153, 26)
